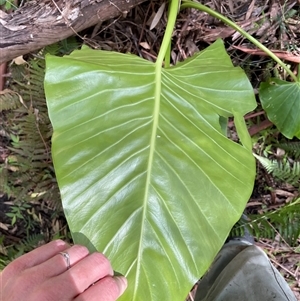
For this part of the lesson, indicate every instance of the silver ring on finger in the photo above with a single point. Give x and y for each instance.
(67, 258)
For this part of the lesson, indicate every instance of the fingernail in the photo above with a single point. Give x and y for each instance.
(122, 283)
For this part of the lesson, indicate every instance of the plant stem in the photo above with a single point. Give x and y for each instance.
(173, 9)
(168, 56)
(196, 5)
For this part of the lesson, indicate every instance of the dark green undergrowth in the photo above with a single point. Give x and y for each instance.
(282, 224)
(27, 176)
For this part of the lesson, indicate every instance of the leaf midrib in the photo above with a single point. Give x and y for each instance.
(157, 96)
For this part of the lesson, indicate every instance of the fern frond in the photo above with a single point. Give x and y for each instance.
(51, 49)
(282, 170)
(291, 147)
(63, 47)
(30, 123)
(27, 175)
(10, 100)
(285, 221)
(68, 45)
(17, 72)
(31, 242)
(3, 263)
(10, 253)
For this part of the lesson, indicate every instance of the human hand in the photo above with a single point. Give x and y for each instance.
(43, 274)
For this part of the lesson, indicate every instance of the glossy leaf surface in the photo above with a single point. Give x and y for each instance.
(145, 171)
(281, 101)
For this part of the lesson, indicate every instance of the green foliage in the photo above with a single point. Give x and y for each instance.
(7, 5)
(17, 212)
(63, 47)
(9, 100)
(283, 223)
(144, 168)
(9, 253)
(280, 100)
(283, 170)
(292, 147)
(27, 175)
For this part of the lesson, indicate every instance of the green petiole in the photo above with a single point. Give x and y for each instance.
(166, 43)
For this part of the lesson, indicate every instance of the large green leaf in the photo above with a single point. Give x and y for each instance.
(281, 101)
(145, 172)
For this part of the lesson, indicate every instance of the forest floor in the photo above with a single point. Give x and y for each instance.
(276, 24)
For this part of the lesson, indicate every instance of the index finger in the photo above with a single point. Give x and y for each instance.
(33, 258)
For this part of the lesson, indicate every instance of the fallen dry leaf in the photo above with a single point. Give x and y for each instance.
(279, 53)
